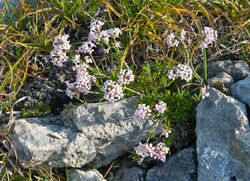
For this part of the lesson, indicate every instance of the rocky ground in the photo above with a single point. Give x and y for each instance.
(99, 133)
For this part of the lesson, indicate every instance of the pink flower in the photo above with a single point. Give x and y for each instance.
(143, 111)
(160, 107)
(126, 76)
(112, 91)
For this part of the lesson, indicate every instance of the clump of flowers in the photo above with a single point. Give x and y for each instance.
(143, 111)
(61, 47)
(160, 107)
(112, 91)
(96, 35)
(171, 40)
(126, 76)
(83, 79)
(210, 36)
(181, 70)
(157, 152)
(166, 133)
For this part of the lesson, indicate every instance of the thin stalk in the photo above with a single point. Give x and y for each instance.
(204, 65)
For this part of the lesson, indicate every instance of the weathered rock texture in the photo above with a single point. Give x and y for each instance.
(223, 144)
(47, 142)
(112, 127)
(130, 174)
(179, 167)
(241, 90)
(221, 78)
(96, 132)
(90, 175)
(236, 69)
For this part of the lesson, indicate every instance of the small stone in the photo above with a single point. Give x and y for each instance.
(90, 175)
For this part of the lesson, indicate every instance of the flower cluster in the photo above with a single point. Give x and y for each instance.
(181, 70)
(126, 76)
(87, 47)
(204, 91)
(160, 107)
(96, 34)
(61, 47)
(83, 79)
(113, 90)
(210, 36)
(143, 111)
(171, 40)
(157, 152)
(166, 133)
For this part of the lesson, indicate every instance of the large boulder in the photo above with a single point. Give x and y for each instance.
(179, 167)
(112, 127)
(241, 90)
(96, 133)
(223, 144)
(46, 141)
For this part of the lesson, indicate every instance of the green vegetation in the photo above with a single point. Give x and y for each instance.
(29, 29)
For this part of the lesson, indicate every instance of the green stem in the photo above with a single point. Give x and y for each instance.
(204, 65)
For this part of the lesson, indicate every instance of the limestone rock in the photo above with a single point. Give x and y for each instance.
(237, 69)
(179, 167)
(90, 175)
(223, 144)
(112, 127)
(129, 172)
(221, 78)
(47, 142)
(241, 90)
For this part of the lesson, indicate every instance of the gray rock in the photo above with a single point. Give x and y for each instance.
(112, 127)
(241, 90)
(90, 175)
(221, 78)
(46, 142)
(179, 167)
(223, 144)
(129, 172)
(237, 69)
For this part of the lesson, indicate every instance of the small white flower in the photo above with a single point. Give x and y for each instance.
(112, 91)
(160, 107)
(210, 36)
(59, 52)
(166, 133)
(157, 152)
(143, 111)
(204, 91)
(87, 47)
(171, 75)
(126, 76)
(184, 72)
(171, 40)
(183, 34)
(181, 70)
(88, 59)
